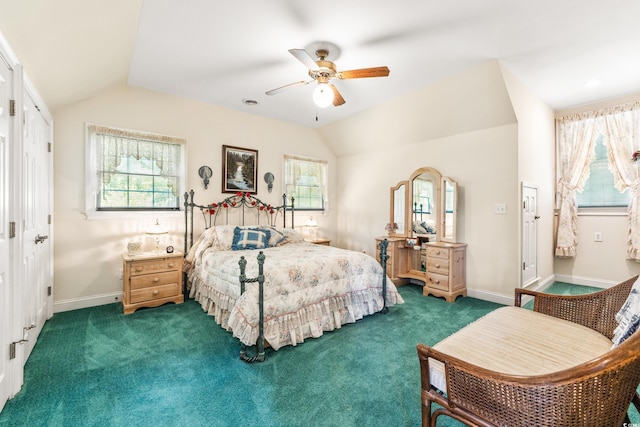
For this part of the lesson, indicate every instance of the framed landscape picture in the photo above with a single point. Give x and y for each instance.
(239, 170)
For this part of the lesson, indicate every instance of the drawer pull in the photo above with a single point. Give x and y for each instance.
(138, 269)
(436, 281)
(170, 265)
(156, 292)
(437, 265)
(156, 279)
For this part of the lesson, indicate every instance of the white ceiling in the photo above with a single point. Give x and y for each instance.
(226, 52)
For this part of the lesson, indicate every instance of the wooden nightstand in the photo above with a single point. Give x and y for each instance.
(151, 280)
(325, 242)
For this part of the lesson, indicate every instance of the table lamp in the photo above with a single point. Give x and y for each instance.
(156, 230)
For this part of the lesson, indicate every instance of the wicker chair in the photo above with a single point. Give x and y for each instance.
(595, 393)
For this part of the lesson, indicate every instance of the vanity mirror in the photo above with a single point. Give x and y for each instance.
(398, 205)
(423, 247)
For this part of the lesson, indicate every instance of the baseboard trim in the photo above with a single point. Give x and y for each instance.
(92, 301)
(490, 296)
(585, 281)
(537, 285)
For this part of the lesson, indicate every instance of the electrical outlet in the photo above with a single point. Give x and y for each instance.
(501, 208)
(597, 236)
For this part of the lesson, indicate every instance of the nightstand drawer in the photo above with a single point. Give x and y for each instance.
(438, 281)
(437, 253)
(146, 267)
(157, 292)
(438, 266)
(151, 280)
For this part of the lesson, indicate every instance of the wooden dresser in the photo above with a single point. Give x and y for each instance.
(446, 270)
(151, 280)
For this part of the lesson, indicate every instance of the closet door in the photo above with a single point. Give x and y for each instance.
(7, 245)
(36, 166)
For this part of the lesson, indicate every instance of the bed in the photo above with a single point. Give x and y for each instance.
(308, 289)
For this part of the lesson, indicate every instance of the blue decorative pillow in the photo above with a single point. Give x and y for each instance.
(250, 238)
(276, 237)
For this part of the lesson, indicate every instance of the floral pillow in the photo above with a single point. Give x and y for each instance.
(250, 238)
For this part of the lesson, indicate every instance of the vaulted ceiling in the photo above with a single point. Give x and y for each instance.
(226, 53)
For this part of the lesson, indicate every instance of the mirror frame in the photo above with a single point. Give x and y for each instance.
(392, 213)
(438, 197)
(454, 214)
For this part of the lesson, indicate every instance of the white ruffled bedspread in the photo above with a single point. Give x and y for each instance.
(308, 288)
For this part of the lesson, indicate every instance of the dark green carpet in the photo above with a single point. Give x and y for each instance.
(173, 365)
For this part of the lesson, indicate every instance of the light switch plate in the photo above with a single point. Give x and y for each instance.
(501, 208)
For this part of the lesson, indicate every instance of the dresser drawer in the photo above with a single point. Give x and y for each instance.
(151, 280)
(146, 267)
(156, 292)
(438, 281)
(438, 265)
(435, 252)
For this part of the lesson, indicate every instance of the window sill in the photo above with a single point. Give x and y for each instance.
(93, 215)
(602, 212)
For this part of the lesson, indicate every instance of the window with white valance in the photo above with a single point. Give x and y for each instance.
(306, 180)
(579, 137)
(133, 171)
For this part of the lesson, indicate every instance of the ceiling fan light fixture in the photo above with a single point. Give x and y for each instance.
(323, 95)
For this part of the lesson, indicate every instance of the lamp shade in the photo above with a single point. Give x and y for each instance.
(156, 229)
(323, 95)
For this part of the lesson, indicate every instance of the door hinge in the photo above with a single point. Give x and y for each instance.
(524, 265)
(12, 348)
(49, 291)
(12, 107)
(49, 219)
(49, 146)
(12, 229)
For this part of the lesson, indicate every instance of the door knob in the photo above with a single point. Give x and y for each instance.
(40, 239)
(536, 217)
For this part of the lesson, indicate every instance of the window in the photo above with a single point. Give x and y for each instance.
(306, 180)
(133, 171)
(599, 190)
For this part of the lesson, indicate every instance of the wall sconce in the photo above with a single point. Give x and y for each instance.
(205, 173)
(269, 178)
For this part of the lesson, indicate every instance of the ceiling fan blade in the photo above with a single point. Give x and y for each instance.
(302, 56)
(285, 87)
(364, 72)
(337, 96)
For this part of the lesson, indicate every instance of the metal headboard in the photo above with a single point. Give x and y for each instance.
(240, 203)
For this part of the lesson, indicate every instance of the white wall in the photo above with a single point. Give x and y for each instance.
(536, 166)
(466, 128)
(87, 252)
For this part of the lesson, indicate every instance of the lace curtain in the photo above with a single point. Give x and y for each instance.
(576, 144)
(622, 138)
(115, 145)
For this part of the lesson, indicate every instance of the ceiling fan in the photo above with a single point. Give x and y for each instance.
(323, 71)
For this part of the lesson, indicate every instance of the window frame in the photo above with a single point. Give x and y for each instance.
(324, 184)
(91, 180)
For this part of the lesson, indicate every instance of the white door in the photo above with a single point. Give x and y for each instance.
(529, 234)
(7, 281)
(37, 287)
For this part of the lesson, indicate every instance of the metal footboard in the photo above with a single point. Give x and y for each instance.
(260, 355)
(383, 261)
